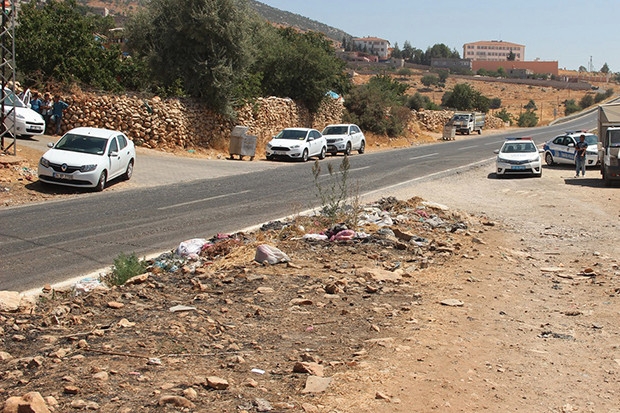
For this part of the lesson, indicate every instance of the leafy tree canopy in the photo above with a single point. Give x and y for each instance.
(59, 42)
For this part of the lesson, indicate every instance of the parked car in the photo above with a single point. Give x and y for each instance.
(561, 149)
(518, 156)
(344, 138)
(88, 158)
(18, 114)
(297, 143)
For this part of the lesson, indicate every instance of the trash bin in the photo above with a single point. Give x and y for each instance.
(449, 132)
(242, 144)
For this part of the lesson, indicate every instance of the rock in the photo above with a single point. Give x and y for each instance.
(9, 301)
(115, 305)
(382, 396)
(177, 401)
(316, 384)
(71, 390)
(31, 402)
(101, 376)
(178, 308)
(314, 369)
(217, 383)
(190, 393)
(378, 274)
(4, 356)
(262, 405)
(138, 279)
(452, 302)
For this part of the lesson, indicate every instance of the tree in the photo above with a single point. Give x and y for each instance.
(582, 69)
(58, 42)
(570, 107)
(605, 68)
(205, 45)
(511, 56)
(531, 105)
(301, 66)
(527, 119)
(495, 103)
(429, 80)
(378, 106)
(396, 52)
(587, 101)
(462, 97)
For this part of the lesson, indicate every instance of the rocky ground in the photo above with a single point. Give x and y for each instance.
(504, 299)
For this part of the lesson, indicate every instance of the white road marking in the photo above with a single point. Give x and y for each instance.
(493, 143)
(468, 147)
(201, 200)
(423, 156)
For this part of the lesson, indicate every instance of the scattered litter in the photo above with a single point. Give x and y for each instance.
(191, 248)
(452, 302)
(179, 308)
(86, 285)
(258, 371)
(269, 254)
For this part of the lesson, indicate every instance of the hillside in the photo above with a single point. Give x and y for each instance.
(271, 14)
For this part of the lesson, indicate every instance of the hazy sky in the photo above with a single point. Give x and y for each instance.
(568, 31)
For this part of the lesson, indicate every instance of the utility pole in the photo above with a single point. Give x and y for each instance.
(7, 76)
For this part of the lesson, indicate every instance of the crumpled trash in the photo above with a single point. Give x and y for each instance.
(435, 222)
(316, 237)
(86, 285)
(269, 254)
(190, 248)
(343, 235)
(375, 216)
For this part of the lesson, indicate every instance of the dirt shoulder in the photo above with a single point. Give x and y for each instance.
(504, 300)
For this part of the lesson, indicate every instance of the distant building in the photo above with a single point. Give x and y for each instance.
(494, 50)
(517, 69)
(450, 63)
(373, 45)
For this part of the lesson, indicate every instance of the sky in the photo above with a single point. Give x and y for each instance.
(573, 33)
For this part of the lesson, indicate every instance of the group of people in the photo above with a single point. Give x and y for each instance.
(50, 109)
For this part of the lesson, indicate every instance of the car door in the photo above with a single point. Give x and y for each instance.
(559, 149)
(314, 143)
(114, 159)
(356, 137)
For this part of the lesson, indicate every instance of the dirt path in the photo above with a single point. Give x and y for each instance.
(536, 333)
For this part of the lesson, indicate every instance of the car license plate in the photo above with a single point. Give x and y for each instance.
(62, 176)
(518, 167)
(279, 152)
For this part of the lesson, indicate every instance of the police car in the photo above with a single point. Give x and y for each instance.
(518, 156)
(561, 149)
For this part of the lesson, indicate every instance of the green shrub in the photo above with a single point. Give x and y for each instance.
(504, 115)
(570, 107)
(126, 267)
(527, 119)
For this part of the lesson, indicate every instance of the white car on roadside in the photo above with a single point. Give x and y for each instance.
(88, 158)
(344, 138)
(297, 143)
(18, 115)
(518, 156)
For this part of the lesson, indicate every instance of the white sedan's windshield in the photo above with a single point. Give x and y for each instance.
(79, 143)
(292, 134)
(519, 147)
(11, 99)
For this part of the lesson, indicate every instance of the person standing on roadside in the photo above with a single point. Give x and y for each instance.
(57, 108)
(46, 109)
(580, 156)
(35, 103)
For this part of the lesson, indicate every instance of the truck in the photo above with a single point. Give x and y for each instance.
(609, 141)
(467, 122)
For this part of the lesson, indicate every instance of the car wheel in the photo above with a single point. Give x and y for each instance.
(269, 157)
(323, 153)
(362, 148)
(129, 171)
(102, 181)
(347, 150)
(333, 153)
(304, 156)
(549, 159)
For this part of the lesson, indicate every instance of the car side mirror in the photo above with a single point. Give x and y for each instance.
(571, 145)
(50, 145)
(496, 151)
(310, 139)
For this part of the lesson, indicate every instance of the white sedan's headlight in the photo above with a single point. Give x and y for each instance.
(44, 162)
(88, 168)
(20, 116)
(338, 139)
(295, 146)
(269, 145)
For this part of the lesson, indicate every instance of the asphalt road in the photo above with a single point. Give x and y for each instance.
(172, 199)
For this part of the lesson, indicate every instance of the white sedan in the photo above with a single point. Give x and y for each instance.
(88, 158)
(19, 118)
(518, 156)
(297, 143)
(344, 138)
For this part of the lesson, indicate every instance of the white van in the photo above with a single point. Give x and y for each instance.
(18, 114)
